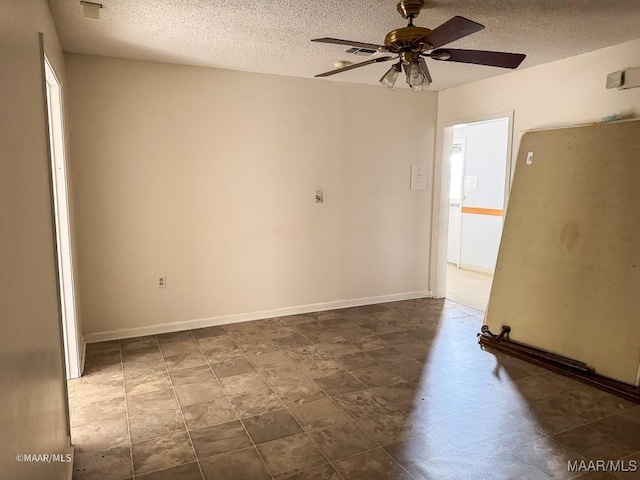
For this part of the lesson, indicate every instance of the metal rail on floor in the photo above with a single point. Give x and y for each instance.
(565, 366)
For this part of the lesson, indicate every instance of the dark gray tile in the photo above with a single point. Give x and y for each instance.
(216, 439)
(323, 472)
(416, 456)
(271, 426)
(632, 414)
(399, 338)
(291, 341)
(185, 360)
(208, 332)
(340, 384)
(210, 345)
(368, 342)
(112, 464)
(621, 429)
(389, 356)
(398, 395)
(188, 471)
(245, 383)
(229, 368)
(282, 374)
(103, 410)
(363, 404)
(100, 435)
(631, 469)
(198, 392)
(139, 343)
(162, 452)
(592, 444)
(181, 347)
(151, 402)
(174, 337)
(319, 414)
(354, 361)
(213, 412)
(192, 375)
(241, 464)
(323, 336)
(342, 440)
(291, 455)
(337, 350)
(271, 359)
(389, 428)
(372, 465)
(254, 403)
(294, 394)
(93, 392)
(596, 476)
(147, 382)
(147, 365)
(157, 424)
(550, 457)
(376, 376)
(545, 417)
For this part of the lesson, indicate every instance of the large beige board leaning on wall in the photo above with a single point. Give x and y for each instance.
(567, 278)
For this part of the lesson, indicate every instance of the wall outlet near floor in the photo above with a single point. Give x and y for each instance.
(162, 281)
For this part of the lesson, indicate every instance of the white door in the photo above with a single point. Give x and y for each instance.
(455, 201)
(62, 221)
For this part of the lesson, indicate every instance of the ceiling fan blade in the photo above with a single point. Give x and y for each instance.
(451, 30)
(355, 65)
(337, 41)
(425, 69)
(479, 57)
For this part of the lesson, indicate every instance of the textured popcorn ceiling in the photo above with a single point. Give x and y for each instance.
(272, 36)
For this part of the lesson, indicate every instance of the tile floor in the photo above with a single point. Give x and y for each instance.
(385, 392)
(468, 288)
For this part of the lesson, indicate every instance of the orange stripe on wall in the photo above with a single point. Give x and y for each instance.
(482, 211)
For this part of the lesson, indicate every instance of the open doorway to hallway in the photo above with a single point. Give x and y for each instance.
(478, 155)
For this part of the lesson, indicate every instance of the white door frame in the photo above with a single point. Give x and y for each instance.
(70, 331)
(442, 174)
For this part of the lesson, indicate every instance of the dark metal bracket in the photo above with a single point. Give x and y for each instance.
(557, 363)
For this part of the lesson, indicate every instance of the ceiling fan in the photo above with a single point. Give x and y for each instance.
(413, 44)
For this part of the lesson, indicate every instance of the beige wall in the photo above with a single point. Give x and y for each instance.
(564, 92)
(33, 414)
(208, 177)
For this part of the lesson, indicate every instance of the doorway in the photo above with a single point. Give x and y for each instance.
(478, 154)
(62, 217)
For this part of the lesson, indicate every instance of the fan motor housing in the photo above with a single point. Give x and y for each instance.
(403, 38)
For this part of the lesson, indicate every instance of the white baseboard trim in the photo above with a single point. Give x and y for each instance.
(474, 269)
(246, 317)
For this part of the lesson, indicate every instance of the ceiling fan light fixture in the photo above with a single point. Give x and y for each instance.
(416, 78)
(389, 79)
